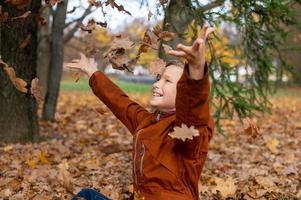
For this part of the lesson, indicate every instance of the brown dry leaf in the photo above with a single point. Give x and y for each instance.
(25, 42)
(3, 15)
(116, 53)
(95, 3)
(90, 26)
(163, 35)
(184, 132)
(23, 16)
(266, 182)
(64, 176)
(36, 90)
(146, 42)
(19, 83)
(76, 76)
(120, 8)
(157, 67)
(226, 187)
(250, 128)
(272, 145)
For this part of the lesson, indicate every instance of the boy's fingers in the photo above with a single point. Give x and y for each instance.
(177, 53)
(197, 44)
(208, 31)
(204, 29)
(75, 60)
(186, 49)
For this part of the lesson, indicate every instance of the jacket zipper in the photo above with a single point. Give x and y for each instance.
(135, 157)
(142, 157)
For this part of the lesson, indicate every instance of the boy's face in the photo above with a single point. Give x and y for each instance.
(164, 91)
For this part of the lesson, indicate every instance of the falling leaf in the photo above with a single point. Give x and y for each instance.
(226, 187)
(103, 24)
(184, 132)
(76, 76)
(163, 35)
(95, 3)
(157, 67)
(146, 43)
(251, 128)
(272, 144)
(25, 42)
(90, 26)
(120, 8)
(64, 176)
(36, 90)
(116, 53)
(149, 15)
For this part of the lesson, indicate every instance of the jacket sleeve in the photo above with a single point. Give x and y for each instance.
(192, 109)
(127, 111)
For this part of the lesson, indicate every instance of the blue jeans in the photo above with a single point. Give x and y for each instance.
(90, 194)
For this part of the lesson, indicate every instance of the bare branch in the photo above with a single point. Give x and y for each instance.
(211, 5)
(78, 21)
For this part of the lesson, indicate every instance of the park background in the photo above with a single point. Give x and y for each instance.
(54, 146)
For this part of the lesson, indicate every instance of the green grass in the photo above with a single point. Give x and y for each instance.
(83, 85)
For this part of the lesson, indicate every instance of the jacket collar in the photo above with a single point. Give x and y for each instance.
(158, 115)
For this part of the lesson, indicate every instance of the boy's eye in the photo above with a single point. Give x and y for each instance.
(158, 77)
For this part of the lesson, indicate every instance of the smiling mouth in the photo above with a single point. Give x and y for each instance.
(156, 94)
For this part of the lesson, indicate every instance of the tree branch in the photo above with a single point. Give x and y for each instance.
(78, 21)
(211, 5)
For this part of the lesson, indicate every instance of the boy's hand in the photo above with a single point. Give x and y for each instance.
(84, 64)
(195, 54)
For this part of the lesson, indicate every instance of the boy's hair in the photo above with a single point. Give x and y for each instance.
(176, 63)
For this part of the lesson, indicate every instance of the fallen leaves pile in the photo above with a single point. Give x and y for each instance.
(89, 147)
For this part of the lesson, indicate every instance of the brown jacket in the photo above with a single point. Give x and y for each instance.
(163, 168)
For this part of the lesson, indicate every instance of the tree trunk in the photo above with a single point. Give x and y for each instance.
(177, 19)
(56, 61)
(44, 38)
(18, 111)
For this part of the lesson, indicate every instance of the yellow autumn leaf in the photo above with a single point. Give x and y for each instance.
(32, 163)
(272, 144)
(226, 187)
(184, 132)
(8, 148)
(64, 176)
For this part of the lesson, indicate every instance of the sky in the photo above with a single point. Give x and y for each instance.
(117, 20)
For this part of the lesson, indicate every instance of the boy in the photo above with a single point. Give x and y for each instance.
(164, 168)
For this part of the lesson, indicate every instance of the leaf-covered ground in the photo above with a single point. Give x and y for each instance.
(89, 147)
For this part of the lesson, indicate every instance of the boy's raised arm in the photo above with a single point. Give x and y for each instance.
(127, 111)
(192, 100)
